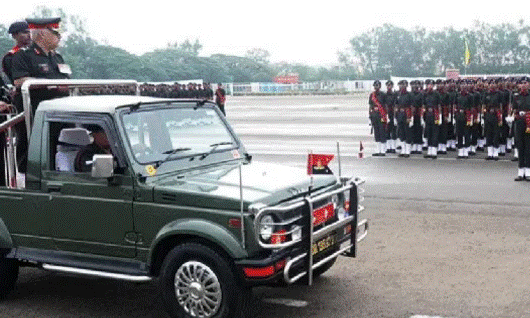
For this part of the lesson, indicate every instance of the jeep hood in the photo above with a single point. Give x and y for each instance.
(219, 187)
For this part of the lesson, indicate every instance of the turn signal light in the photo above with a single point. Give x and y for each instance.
(279, 237)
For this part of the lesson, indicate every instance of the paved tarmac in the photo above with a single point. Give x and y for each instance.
(447, 238)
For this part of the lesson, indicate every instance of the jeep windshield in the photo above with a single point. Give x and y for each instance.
(157, 134)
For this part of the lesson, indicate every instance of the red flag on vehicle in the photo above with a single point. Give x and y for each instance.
(318, 164)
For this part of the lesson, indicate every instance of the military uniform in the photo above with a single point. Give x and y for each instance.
(432, 119)
(34, 62)
(417, 126)
(445, 113)
(390, 104)
(492, 122)
(463, 122)
(220, 99)
(451, 133)
(404, 118)
(522, 132)
(378, 118)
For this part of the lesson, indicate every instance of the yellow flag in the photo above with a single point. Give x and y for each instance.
(467, 54)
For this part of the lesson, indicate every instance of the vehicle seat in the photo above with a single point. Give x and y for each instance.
(70, 141)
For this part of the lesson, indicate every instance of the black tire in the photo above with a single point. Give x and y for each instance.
(8, 276)
(223, 294)
(324, 268)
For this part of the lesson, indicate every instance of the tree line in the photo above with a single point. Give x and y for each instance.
(390, 50)
(378, 53)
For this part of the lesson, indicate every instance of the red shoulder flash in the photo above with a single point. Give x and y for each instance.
(14, 50)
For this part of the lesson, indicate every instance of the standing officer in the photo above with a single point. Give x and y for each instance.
(432, 118)
(378, 117)
(404, 118)
(444, 105)
(417, 111)
(39, 60)
(463, 121)
(220, 98)
(451, 134)
(390, 103)
(20, 33)
(492, 121)
(522, 131)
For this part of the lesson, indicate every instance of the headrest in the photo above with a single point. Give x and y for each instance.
(74, 136)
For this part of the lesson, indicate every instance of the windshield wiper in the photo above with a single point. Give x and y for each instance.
(214, 146)
(169, 153)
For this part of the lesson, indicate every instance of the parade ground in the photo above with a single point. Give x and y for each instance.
(447, 237)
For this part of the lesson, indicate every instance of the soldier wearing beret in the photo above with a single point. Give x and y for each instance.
(21, 34)
(404, 118)
(378, 118)
(418, 123)
(463, 120)
(522, 130)
(492, 121)
(432, 118)
(390, 104)
(39, 60)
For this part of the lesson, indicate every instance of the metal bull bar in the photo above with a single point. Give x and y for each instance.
(311, 236)
(51, 84)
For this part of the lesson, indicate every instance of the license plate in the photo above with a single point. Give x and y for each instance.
(323, 244)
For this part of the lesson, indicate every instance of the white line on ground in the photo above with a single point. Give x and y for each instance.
(425, 316)
(286, 302)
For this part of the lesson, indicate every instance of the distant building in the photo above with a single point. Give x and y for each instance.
(291, 78)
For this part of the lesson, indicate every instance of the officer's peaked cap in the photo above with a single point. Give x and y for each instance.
(44, 23)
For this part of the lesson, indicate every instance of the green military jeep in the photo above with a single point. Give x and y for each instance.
(170, 194)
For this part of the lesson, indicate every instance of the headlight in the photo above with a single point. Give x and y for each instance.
(266, 227)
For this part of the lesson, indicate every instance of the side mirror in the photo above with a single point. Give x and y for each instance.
(102, 166)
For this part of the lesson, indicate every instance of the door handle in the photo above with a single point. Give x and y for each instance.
(54, 188)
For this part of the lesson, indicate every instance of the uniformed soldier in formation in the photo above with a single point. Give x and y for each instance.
(492, 121)
(391, 129)
(432, 118)
(463, 121)
(522, 130)
(444, 113)
(39, 60)
(417, 111)
(378, 118)
(404, 118)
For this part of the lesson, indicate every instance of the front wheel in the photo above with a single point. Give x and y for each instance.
(196, 281)
(8, 275)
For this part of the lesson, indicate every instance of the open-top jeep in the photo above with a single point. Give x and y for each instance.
(174, 195)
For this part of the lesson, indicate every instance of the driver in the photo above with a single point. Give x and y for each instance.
(100, 146)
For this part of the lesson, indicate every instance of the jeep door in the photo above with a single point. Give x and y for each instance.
(89, 215)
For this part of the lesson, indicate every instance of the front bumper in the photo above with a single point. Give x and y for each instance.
(288, 262)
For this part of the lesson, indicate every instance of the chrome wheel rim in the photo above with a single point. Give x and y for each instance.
(198, 289)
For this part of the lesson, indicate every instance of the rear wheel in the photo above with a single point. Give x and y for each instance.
(196, 281)
(8, 276)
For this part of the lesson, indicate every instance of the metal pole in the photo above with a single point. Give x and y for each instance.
(242, 206)
(338, 157)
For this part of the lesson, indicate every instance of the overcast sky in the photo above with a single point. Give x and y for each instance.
(309, 32)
